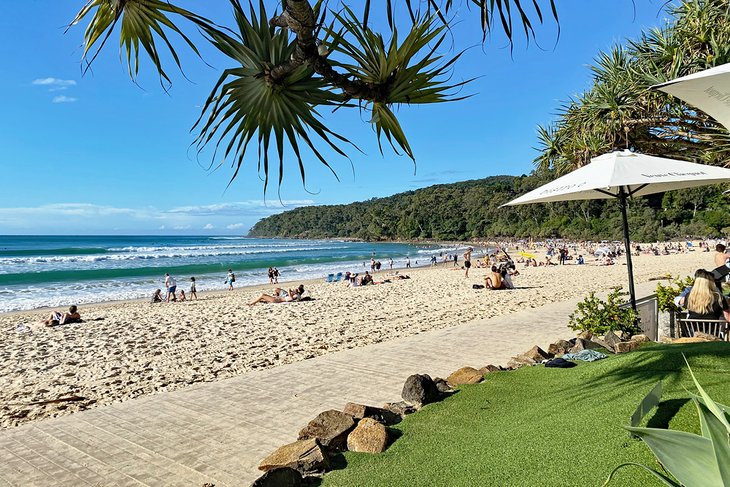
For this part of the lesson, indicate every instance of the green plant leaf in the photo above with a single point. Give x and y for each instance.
(396, 72)
(708, 402)
(688, 457)
(719, 435)
(663, 478)
(243, 106)
(141, 21)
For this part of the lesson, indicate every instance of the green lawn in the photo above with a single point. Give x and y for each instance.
(544, 427)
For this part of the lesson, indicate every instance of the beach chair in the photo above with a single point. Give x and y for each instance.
(718, 328)
(338, 277)
(330, 277)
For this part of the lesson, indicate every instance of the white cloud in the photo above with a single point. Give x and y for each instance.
(87, 217)
(64, 99)
(247, 208)
(55, 82)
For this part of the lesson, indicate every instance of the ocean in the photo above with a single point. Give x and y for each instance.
(38, 271)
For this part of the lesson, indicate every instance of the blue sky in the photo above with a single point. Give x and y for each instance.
(98, 154)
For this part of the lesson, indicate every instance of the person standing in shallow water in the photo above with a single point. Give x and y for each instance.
(230, 279)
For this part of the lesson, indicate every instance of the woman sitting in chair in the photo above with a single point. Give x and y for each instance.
(704, 301)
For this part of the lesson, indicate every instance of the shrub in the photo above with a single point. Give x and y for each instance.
(598, 316)
(665, 294)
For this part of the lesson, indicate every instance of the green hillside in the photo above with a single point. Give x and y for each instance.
(471, 209)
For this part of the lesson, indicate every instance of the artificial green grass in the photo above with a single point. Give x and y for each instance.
(545, 427)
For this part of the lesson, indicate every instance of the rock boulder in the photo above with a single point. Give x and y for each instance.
(419, 390)
(400, 408)
(519, 361)
(560, 347)
(611, 339)
(382, 415)
(640, 338)
(624, 347)
(368, 437)
(465, 375)
(279, 477)
(537, 354)
(330, 428)
(305, 456)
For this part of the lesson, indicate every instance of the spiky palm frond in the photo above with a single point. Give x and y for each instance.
(509, 14)
(244, 105)
(143, 23)
(406, 72)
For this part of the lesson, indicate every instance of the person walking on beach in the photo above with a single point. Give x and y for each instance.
(230, 279)
(467, 261)
(271, 275)
(390, 263)
(408, 262)
(193, 291)
(276, 275)
(456, 260)
(171, 286)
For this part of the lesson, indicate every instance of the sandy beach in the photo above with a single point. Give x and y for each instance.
(127, 349)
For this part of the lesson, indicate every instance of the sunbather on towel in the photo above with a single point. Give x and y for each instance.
(293, 295)
(59, 318)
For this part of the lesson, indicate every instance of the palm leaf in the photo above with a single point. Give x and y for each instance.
(508, 12)
(244, 106)
(397, 72)
(141, 24)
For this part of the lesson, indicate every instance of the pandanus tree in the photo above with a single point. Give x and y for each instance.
(290, 63)
(620, 110)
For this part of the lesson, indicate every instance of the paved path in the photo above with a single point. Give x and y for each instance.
(218, 432)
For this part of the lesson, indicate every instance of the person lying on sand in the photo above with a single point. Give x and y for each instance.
(59, 318)
(293, 295)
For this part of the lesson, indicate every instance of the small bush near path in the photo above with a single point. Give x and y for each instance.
(541, 426)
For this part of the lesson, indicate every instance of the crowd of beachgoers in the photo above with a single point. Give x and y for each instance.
(116, 351)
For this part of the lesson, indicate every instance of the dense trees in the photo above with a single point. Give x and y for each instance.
(620, 111)
(471, 209)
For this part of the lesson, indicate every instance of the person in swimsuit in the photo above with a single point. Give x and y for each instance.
(494, 280)
(157, 296)
(60, 318)
(193, 291)
(271, 275)
(293, 295)
(467, 261)
(171, 286)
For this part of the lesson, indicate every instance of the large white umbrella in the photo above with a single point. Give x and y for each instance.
(708, 90)
(622, 174)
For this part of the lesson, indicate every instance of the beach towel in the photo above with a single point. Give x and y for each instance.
(560, 363)
(586, 355)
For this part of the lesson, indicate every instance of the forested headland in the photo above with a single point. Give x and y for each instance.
(471, 209)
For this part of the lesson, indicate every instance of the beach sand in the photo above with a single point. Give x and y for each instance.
(126, 349)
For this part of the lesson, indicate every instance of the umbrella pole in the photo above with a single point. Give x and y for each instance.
(627, 243)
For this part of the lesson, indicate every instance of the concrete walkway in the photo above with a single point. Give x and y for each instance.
(218, 432)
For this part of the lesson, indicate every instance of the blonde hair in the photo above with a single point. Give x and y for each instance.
(703, 295)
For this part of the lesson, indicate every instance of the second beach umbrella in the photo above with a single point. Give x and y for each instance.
(708, 90)
(620, 175)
